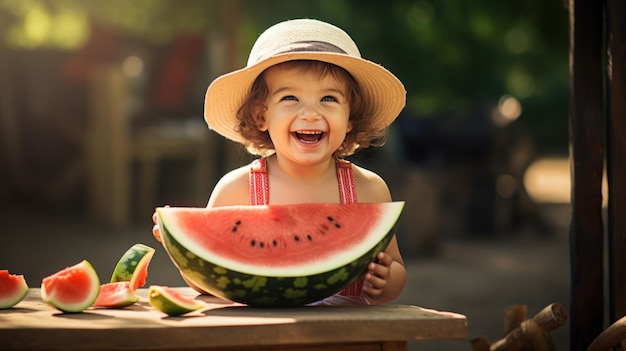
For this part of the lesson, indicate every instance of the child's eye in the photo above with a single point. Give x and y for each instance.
(289, 98)
(329, 98)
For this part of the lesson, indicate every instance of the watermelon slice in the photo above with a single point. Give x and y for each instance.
(171, 302)
(72, 289)
(133, 266)
(277, 255)
(13, 289)
(116, 295)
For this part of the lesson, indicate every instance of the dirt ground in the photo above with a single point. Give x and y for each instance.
(477, 278)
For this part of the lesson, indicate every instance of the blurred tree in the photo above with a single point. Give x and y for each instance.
(57, 23)
(455, 57)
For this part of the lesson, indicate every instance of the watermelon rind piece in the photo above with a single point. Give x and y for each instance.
(133, 266)
(116, 295)
(171, 302)
(281, 286)
(13, 289)
(72, 289)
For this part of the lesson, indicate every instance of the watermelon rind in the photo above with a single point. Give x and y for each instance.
(170, 302)
(58, 288)
(116, 295)
(13, 289)
(133, 266)
(287, 289)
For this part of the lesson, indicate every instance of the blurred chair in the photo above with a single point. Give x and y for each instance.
(114, 148)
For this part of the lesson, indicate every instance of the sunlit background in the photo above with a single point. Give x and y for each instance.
(487, 85)
(101, 108)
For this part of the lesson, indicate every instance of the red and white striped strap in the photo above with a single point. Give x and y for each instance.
(347, 186)
(260, 189)
(259, 184)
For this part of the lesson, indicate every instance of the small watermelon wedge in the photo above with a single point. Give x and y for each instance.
(72, 289)
(13, 289)
(133, 266)
(171, 302)
(116, 295)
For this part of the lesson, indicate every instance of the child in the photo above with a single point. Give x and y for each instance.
(305, 99)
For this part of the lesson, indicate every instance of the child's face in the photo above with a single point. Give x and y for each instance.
(307, 114)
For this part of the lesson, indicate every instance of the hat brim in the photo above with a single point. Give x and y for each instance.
(379, 87)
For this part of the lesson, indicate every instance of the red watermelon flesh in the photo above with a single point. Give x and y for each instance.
(71, 289)
(142, 276)
(254, 238)
(115, 295)
(13, 289)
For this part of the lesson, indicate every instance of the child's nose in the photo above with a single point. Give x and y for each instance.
(309, 112)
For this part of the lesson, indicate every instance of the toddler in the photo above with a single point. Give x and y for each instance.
(305, 100)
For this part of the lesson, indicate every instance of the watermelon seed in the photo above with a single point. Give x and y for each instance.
(236, 226)
(331, 219)
(308, 236)
(296, 238)
(274, 243)
(262, 244)
(253, 243)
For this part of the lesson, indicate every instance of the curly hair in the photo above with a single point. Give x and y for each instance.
(362, 134)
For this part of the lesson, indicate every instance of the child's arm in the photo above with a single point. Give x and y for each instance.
(386, 277)
(232, 189)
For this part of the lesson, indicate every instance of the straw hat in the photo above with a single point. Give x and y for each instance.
(302, 39)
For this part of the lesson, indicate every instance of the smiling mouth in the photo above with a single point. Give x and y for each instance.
(309, 136)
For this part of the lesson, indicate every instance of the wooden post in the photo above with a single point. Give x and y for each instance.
(107, 147)
(513, 317)
(480, 343)
(587, 133)
(616, 155)
(11, 144)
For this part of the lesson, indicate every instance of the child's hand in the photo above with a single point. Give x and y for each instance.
(377, 277)
(156, 231)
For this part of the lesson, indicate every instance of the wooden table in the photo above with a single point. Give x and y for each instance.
(33, 325)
